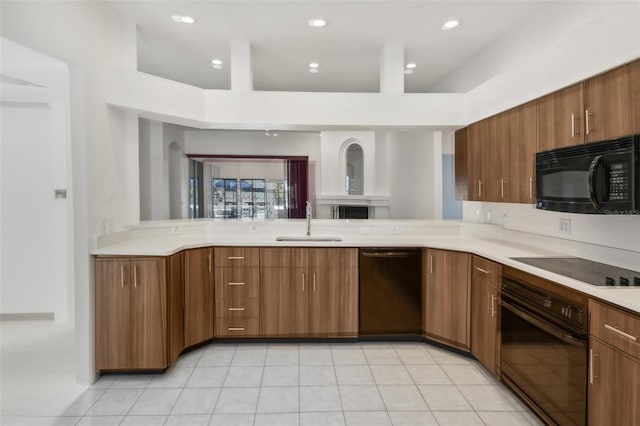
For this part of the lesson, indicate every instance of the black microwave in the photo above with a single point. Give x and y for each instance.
(595, 178)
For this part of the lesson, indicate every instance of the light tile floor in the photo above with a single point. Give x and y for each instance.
(364, 384)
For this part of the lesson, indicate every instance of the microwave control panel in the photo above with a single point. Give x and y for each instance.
(619, 181)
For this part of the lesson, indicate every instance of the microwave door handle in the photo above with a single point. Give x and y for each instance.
(592, 181)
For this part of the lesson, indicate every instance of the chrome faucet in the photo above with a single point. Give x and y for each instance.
(308, 219)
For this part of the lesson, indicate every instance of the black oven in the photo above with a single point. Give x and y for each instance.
(601, 178)
(544, 350)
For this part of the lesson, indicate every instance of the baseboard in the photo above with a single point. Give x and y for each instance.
(35, 316)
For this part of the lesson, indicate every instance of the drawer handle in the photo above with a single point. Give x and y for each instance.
(235, 328)
(236, 309)
(484, 271)
(236, 283)
(621, 333)
(235, 257)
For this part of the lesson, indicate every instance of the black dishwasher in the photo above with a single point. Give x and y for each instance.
(390, 291)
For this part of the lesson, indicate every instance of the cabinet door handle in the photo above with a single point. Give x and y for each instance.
(621, 333)
(592, 367)
(135, 276)
(493, 305)
(431, 264)
(484, 271)
(530, 187)
(210, 262)
(235, 328)
(314, 282)
(489, 308)
(479, 188)
(235, 309)
(573, 125)
(235, 257)
(122, 276)
(303, 282)
(236, 283)
(501, 188)
(587, 126)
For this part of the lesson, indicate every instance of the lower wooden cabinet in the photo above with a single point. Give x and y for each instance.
(198, 295)
(614, 366)
(308, 292)
(446, 284)
(485, 308)
(134, 303)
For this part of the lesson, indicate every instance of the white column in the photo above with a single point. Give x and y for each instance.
(241, 68)
(437, 175)
(392, 68)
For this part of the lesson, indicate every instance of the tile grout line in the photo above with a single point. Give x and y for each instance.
(386, 409)
(335, 373)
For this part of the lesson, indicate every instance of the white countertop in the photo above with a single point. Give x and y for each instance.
(142, 241)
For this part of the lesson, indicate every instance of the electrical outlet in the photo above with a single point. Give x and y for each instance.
(253, 228)
(564, 226)
(393, 229)
(506, 218)
(478, 216)
(489, 216)
(176, 230)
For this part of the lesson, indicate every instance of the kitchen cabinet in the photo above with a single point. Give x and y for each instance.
(461, 163)
(496, 162)
(612, 103)
(614, 370)
(560, 118)
(485, 308)
(446, 299)
(198, 295)
(237, 292)
(133, 304)
(523, 145)
(476, 135)
(308, 292)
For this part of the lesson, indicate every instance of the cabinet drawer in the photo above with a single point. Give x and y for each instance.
(237, 256)
(486, 270)
(238, 308)
(615, 327)
(226, 327)
(237, 283)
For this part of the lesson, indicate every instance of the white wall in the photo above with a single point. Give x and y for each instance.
(92, 39)
(333, 147)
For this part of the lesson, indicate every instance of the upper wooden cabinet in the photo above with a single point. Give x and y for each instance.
(476, 137)
(523, 145)
(560, 118)
(461, 163)
(496, 161)
(309, 292)
(198, 295)
(446, 297)
(485, 308)
(612, 103)
(133, 305)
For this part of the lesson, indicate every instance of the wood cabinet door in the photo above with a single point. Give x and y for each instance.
(496, 161)
(475, 169)
(612, 102)
(461, 159)
(113, 314)
(284, 299)
(523, 145)
(175, 306)
(560, 118)
(148, 313)
(446, 297)
(198, 295)
(614, 387)
(333, 303)
(484, 324)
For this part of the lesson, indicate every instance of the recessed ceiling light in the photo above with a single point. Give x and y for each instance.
(216, 62)
(317, 23)
(313, 70)
(408, 71)
(450, 24)
(314, 65)
(183, 19)
(411, 65)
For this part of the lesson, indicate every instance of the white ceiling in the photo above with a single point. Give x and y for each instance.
(347, 48)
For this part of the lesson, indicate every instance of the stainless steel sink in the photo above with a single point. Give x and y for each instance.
(318, 238)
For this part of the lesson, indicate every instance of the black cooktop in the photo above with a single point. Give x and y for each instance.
(591, 272)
